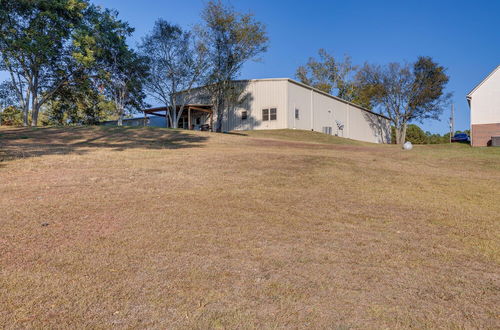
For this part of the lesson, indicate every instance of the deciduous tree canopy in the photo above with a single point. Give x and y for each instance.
(231, 39)
(177, 62)
(47, 45)
(330, 75)
(406, 92)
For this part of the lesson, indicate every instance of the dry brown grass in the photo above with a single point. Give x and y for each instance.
(171, 229)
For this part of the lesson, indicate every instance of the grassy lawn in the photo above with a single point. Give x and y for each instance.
(142, 227)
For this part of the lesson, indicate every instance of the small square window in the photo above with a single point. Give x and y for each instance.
(244, 115)
(273, 114)
(265, 114)
(297, 114)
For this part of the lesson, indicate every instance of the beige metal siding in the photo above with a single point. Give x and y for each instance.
(318, 111)
(299, 98)
(366, 126)
(258, 95)
(327, 112)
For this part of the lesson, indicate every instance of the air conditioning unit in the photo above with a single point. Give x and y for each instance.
(495, 141)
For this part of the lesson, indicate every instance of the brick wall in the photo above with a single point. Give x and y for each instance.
(482, 133)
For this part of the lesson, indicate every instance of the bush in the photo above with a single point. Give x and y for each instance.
(12, 116)
(416, 135)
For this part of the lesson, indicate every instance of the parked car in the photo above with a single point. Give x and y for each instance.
(460, 137)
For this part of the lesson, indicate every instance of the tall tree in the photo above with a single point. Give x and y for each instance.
(329, 75)
(47, 45)
(119, 70)
(36, 47)
(405, 92)
(124, 83)
(177, 62)
(79, 103)
(231, 39)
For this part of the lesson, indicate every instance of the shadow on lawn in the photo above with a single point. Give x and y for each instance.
(31, 142)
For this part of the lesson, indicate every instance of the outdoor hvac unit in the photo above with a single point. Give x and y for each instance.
(495, 141)
(340, 125)
(340, 128)
(327, 130)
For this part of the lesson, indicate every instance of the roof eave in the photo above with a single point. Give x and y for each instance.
(336, 98)
(469, 96)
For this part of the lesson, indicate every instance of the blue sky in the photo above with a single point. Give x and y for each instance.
(464, 36)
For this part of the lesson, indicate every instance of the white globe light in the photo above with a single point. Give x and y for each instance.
(408, 146)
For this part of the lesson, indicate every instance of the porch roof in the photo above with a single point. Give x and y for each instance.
(197, 107)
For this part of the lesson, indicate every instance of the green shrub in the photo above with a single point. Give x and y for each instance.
(12, 116)
(416, 135)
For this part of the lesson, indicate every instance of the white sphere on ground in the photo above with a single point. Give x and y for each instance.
(408, 146)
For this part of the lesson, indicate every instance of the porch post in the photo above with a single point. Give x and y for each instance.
(189, 117)
(212, 121)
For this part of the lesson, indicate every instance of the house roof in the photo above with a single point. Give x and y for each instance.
(469, 96)
(197, 107)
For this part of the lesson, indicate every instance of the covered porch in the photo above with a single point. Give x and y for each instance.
(193, 117)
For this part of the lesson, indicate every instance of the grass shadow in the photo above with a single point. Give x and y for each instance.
(31, 142)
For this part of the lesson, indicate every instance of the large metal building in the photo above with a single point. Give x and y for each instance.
(285, 103)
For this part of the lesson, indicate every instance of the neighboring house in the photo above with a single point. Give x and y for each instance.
(484, 103)
(285, 103)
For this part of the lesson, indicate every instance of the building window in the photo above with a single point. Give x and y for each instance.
(265, 114)
(273, 114)
(297, 114)
(198, 121)
(244, 115)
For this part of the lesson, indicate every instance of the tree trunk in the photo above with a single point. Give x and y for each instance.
(26, 115)
(401, 134)
(220, 116)
(175, 118)
(120, 117)
(34, 117)
(35, 106)
(26, 108)
(34, 112)
(167, 119)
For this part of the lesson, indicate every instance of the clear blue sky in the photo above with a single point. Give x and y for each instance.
(464, 36)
